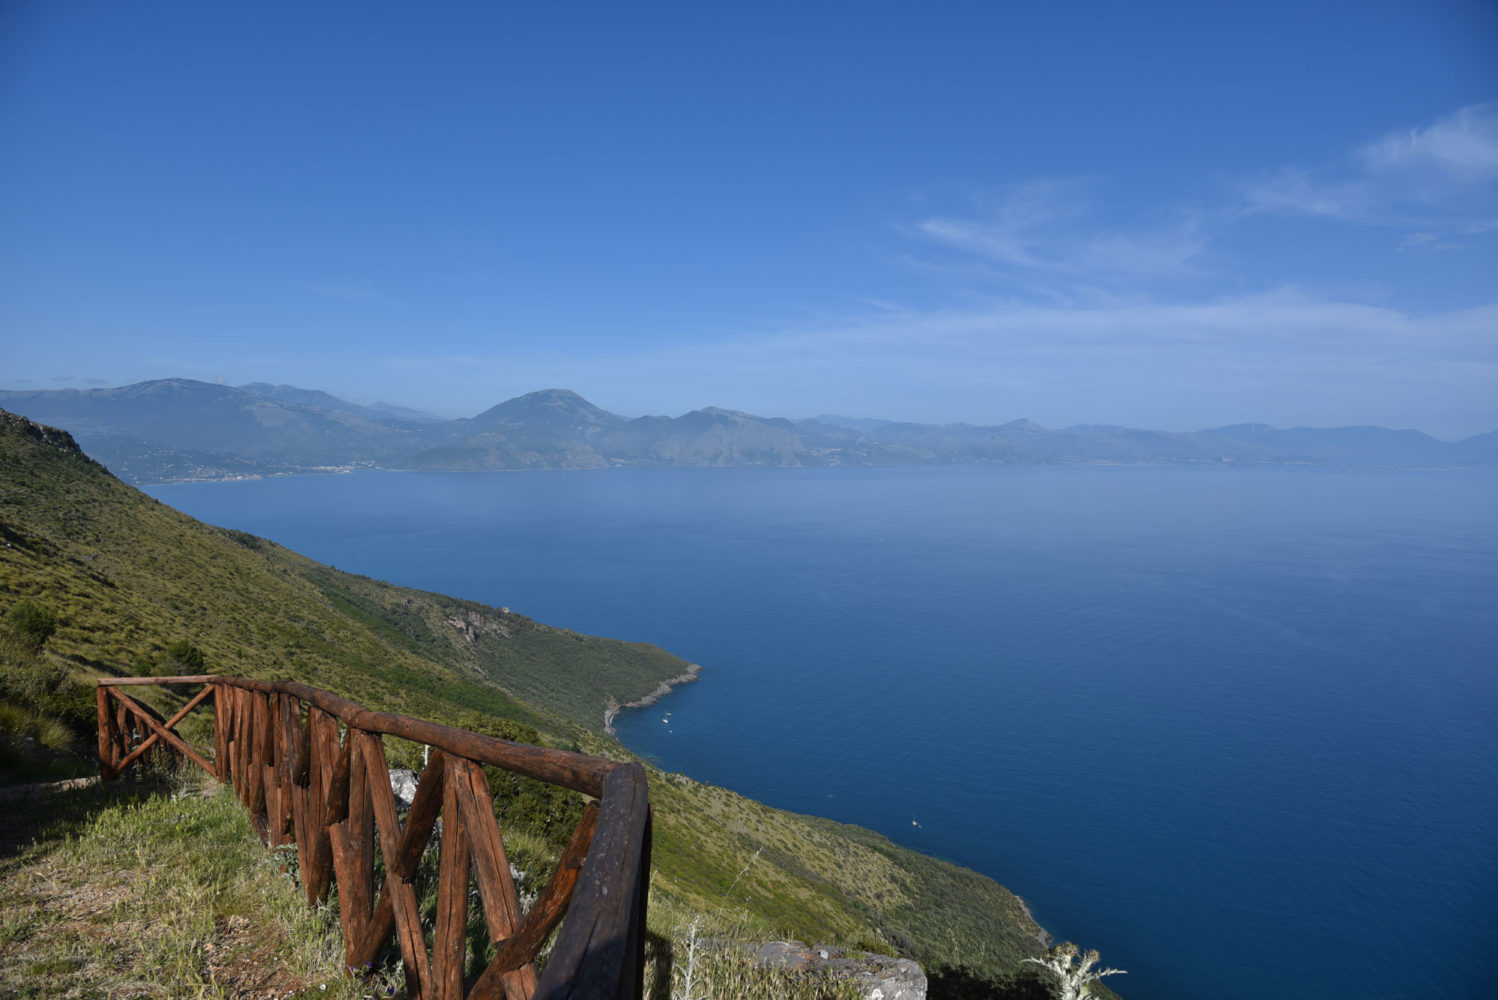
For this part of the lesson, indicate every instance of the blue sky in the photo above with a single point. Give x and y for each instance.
(1173, 215)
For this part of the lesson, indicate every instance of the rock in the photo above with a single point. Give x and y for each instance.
(403, 784)
(880, 977)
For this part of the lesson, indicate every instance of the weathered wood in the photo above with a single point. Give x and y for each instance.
(244, 743)
(632, 984)
(171, 723)
(149, 719)
(129, 681)
(301, 764)
(108, 736)
(265, 733)
(335, 800)
(449, 944)
(558, 767)
(239, 746)
(276, 803)
(301, 825)
(335, 818)
(271, 795)
(356, 892)
(335, 806)
(258, 732)
(491, 870)
(591, 956)
(220, 734)
(545, 913)
(288, 714)
(122, 725)
(325, 752)
(398, 905)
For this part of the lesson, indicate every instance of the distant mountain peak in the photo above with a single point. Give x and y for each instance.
(548, 405)
(551, 396)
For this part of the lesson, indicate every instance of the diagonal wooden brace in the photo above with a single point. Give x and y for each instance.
(545, 913)
(164, 732)
(398, 907)
(491, 870)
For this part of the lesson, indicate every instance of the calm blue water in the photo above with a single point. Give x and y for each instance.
(1236, 728)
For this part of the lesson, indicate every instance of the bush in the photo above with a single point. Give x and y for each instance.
(31, 622)
(46, 690)
(180, 657)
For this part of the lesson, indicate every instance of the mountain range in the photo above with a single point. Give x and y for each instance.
(180, 429)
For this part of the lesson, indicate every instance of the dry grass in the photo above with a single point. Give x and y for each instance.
(172, 895)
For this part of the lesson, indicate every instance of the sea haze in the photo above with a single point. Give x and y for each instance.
(1236, 728)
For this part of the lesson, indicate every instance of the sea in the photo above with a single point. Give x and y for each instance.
(1236, 728)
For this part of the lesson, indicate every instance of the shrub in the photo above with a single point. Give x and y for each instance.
(31, 622)
(180, 657)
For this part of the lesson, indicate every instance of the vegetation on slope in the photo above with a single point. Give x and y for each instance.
(126, 577)
(129, 892)
(133, 586)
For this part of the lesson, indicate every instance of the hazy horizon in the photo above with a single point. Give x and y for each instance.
(1160, 215)
(821, 415)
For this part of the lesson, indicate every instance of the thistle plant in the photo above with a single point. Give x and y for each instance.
(689, 973)
(1073, 970)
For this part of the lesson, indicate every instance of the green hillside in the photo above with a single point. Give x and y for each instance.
(128, 576)
(138, 587)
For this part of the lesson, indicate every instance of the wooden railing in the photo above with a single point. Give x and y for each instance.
(279, 746)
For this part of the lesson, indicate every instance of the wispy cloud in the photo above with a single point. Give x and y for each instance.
(1462, 145)
(1044, 235)
(1070, 312)
(1422, 242)
(1439, 179)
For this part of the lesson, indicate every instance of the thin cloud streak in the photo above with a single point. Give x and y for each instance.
(1443, 177)
(1463, 144)
(1038, 231)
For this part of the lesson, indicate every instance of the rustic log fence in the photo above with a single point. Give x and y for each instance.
(279, 746)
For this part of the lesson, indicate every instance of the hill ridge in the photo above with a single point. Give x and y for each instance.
(179, 429)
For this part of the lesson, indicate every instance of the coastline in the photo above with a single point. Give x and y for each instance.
(694, 671)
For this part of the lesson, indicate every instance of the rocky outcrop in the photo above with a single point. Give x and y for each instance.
(879, 977)
(474, 624)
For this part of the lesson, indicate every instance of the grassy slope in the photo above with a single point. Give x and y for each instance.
(129, 892)
(127, 575)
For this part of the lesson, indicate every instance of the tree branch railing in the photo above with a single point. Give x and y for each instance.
(278, 744)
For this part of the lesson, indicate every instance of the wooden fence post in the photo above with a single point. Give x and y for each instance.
(108, 734)
(449, 943)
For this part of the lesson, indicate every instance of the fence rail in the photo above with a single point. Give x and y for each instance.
(279, 745)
